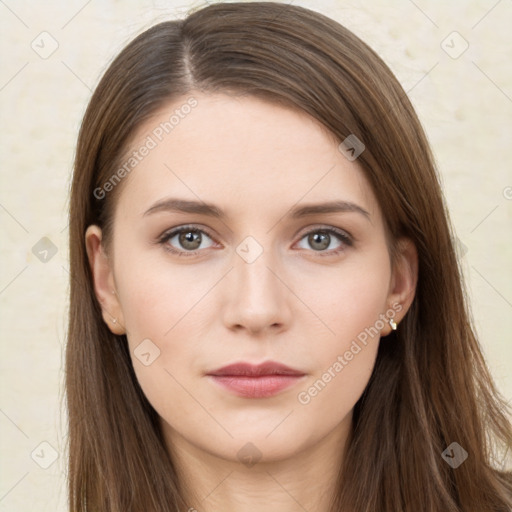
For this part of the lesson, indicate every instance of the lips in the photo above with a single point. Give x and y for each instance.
(256, 381)
(250, 370)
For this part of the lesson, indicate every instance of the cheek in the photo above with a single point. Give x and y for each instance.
(157, 296)
(161, 308)
(348, 299)
(165, 309)
(350, 303)
(343, 362)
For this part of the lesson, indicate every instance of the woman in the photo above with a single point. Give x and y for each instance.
(266, 306)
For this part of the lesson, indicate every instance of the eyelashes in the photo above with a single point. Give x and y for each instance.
(191, 235)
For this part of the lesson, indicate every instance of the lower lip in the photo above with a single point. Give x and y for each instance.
(263, 386)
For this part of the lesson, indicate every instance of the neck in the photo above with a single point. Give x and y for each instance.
(304, 481)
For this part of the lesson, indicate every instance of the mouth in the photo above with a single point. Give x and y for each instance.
(256, 381)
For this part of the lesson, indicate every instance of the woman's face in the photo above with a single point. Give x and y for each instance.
(271, 276)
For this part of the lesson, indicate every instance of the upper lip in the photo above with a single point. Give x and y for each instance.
(255, 370)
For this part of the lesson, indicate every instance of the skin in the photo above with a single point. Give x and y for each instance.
(255, 161)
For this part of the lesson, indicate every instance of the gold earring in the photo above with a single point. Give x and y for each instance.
(392, 323)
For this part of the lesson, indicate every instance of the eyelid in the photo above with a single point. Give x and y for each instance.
(325, 227)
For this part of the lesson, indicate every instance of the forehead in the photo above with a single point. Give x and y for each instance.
(241, 152)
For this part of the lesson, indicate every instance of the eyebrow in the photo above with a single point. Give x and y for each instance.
(202, 208)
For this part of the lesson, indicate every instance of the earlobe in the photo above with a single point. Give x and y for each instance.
(103, 280)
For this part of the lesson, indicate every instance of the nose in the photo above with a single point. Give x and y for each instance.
(258, 300)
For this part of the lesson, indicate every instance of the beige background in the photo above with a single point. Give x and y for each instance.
(464, 101)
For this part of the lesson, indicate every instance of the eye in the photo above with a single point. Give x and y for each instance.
(185, 239)
(320, 239)
(188, 240)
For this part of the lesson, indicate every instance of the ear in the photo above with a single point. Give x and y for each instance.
(404, 279)
(103, 277)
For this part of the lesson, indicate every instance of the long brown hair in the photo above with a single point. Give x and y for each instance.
(430, 385)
